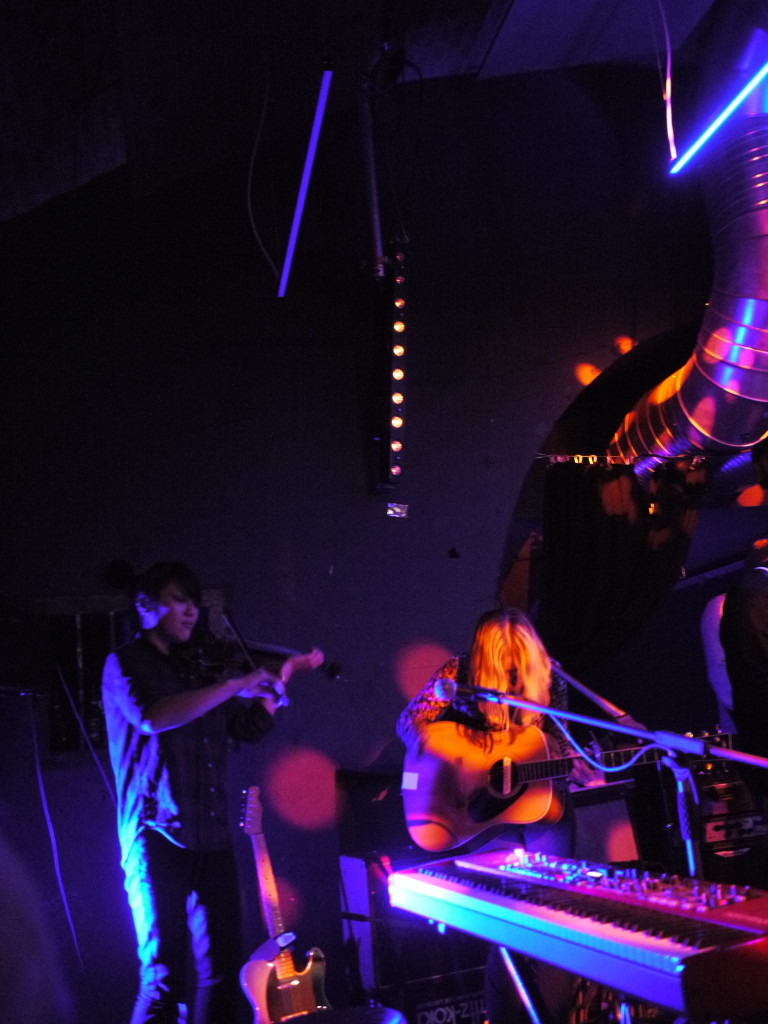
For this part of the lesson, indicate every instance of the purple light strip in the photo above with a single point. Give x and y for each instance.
(720, 119)
(325, 85)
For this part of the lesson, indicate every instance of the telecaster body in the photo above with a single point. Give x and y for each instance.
(278, 994)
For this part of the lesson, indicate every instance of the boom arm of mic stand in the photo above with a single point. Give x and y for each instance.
(669, 741)
(699, 746)
(610, 709)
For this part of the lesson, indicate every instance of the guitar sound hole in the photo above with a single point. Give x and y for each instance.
(496, 784)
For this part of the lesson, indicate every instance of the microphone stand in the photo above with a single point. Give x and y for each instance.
(610, 709)
(685, 788)
(673, 743)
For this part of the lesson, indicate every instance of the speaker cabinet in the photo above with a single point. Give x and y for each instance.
(605, 832)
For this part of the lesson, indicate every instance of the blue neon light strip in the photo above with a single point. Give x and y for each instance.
(748, 88)
(309, 160)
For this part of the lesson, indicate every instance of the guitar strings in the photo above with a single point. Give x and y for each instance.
(640, 753)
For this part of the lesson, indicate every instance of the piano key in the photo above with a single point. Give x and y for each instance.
(656, 938)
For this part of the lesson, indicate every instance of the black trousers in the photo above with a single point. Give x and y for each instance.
(186, 912)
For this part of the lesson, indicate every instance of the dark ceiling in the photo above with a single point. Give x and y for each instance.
(89, 87)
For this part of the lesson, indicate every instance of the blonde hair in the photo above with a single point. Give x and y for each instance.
(508, 655)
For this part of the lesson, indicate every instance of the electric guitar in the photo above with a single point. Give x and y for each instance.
(276, 990)
(458, 782)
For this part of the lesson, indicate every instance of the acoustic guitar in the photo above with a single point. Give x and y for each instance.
(458, 782)
(276, 990)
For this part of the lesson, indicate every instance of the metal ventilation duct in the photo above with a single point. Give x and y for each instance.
(718, 401)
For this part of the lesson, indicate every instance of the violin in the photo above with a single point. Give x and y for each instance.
(296, 659)
(213, 655)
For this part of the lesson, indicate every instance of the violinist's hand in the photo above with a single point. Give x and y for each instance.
(301, 662)
(259, 684)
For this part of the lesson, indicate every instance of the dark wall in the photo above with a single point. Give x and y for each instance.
(160, 402)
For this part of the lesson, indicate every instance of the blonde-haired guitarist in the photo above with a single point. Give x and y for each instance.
(507, 655)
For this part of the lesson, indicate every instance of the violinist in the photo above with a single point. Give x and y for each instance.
(168, 727)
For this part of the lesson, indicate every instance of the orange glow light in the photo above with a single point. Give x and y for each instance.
(397, 398)
(585, 373)
(397, 373)
(398, 350)
(751, 497)
(623, 344)
(398, 326)
(665, 390)
(300, 785)
(396, 422)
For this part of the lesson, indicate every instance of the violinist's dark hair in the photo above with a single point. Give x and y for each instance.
(120, 574)
(160, 574)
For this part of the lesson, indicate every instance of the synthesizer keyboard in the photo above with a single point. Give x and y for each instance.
(698, 948)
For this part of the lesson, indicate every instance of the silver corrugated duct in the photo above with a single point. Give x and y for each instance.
(718, 401)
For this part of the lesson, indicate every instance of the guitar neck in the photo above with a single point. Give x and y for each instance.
(270, 904)
(560, 767)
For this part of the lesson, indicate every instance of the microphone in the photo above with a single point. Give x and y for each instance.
(449, 689)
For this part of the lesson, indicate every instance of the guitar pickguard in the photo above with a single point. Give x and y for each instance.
(279, 998)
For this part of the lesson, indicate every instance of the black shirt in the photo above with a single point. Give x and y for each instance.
(172, 781)
(744, 636)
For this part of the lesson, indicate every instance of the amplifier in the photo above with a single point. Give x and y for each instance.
(730, 817)
(448, 999)
(732, 830)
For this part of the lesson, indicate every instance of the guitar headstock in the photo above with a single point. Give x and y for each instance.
(252, 812)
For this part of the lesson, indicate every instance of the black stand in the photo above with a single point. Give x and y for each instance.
(536, 1012)
(687, 795)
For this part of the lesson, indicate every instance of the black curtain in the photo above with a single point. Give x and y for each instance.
(612, 552)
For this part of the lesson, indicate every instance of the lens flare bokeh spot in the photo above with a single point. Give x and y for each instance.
(300, 786)
(416, 662)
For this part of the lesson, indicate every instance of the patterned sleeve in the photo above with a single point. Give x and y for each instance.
(426, 706)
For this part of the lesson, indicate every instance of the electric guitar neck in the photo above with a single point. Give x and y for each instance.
(276, 990)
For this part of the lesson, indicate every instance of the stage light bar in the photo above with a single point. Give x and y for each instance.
(719, 120)
(322, 99)
(397, 354)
